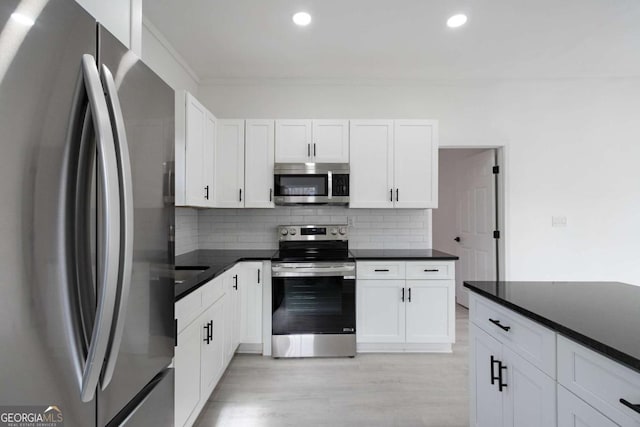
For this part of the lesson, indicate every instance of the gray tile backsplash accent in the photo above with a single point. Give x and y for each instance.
(256, 228)
(186, 230)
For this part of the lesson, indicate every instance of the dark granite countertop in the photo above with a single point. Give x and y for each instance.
(217, 262)
(603, 316)
(408, 254)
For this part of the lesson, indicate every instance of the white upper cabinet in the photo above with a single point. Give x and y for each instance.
(312, 141)
(259, 158)
(195, 139)
(229, 164)
(371, 164)
(293, 141)
(330, 141)
(416, 163)
(394, 164)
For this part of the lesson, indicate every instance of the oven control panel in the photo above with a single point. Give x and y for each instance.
(313, 232)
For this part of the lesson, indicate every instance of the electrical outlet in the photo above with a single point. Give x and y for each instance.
(351, 221)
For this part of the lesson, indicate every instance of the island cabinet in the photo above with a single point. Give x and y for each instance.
(523, 373)
(405, 305)
(512, 368)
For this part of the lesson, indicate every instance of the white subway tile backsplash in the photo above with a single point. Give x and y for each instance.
(187, 230)
(256, 228)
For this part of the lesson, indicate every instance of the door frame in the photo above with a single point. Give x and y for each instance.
(502, 202)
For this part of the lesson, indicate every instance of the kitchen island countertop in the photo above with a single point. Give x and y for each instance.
(603, 316)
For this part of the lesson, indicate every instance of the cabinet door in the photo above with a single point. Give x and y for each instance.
(229, 164)
(293, 141)
(259, 158)
(209, 156)
(212, 347)
(416, 164)
(430, 311)
(574, 412)
(232, 313)
(486, 403)
(251, 303)
(187, 372)
(195, 159)
(330, 141)
(530, 395)
(371, 163)
(380, 311)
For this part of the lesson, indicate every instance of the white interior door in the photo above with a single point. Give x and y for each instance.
(475, 194)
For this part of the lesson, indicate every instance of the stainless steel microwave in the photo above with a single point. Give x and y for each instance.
(311, 184)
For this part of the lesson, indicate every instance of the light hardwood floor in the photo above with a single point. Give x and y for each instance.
(400, 390)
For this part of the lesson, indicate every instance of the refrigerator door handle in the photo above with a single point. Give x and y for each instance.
(109, 233)
(126, 225)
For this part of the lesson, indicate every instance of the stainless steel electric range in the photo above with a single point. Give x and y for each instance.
(313, 290)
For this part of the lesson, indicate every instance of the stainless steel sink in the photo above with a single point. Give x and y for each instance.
(184, 273)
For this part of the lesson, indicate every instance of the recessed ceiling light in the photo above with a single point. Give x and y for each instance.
(22, 19)
(302, 19)
(457, 21)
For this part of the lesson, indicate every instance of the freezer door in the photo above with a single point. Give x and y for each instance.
(44, 347)
(146, 345)
(153, 407)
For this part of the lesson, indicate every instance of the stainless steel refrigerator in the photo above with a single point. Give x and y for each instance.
(86, 215)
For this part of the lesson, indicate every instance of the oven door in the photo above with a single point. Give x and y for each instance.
(314, 298)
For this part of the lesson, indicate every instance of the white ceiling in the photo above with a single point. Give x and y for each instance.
(402, 39)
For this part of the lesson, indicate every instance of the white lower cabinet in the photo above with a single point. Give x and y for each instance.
(380, 311)
(252, 279)
(507, 390)
(575, 412)
(395, 311)
(547, 380)
(187, 373)
(486, 399)
(210, 329)
(212, 346)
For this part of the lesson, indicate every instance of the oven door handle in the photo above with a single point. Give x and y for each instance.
(347, 272)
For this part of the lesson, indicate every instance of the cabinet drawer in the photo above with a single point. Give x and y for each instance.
(599, 381)
(212, 291)
(574, 412)
(429, 270)
(529, 339)
(381, 270)
(188, 309)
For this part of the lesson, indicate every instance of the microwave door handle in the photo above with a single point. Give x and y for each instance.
(330, 184)
(126, 227)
